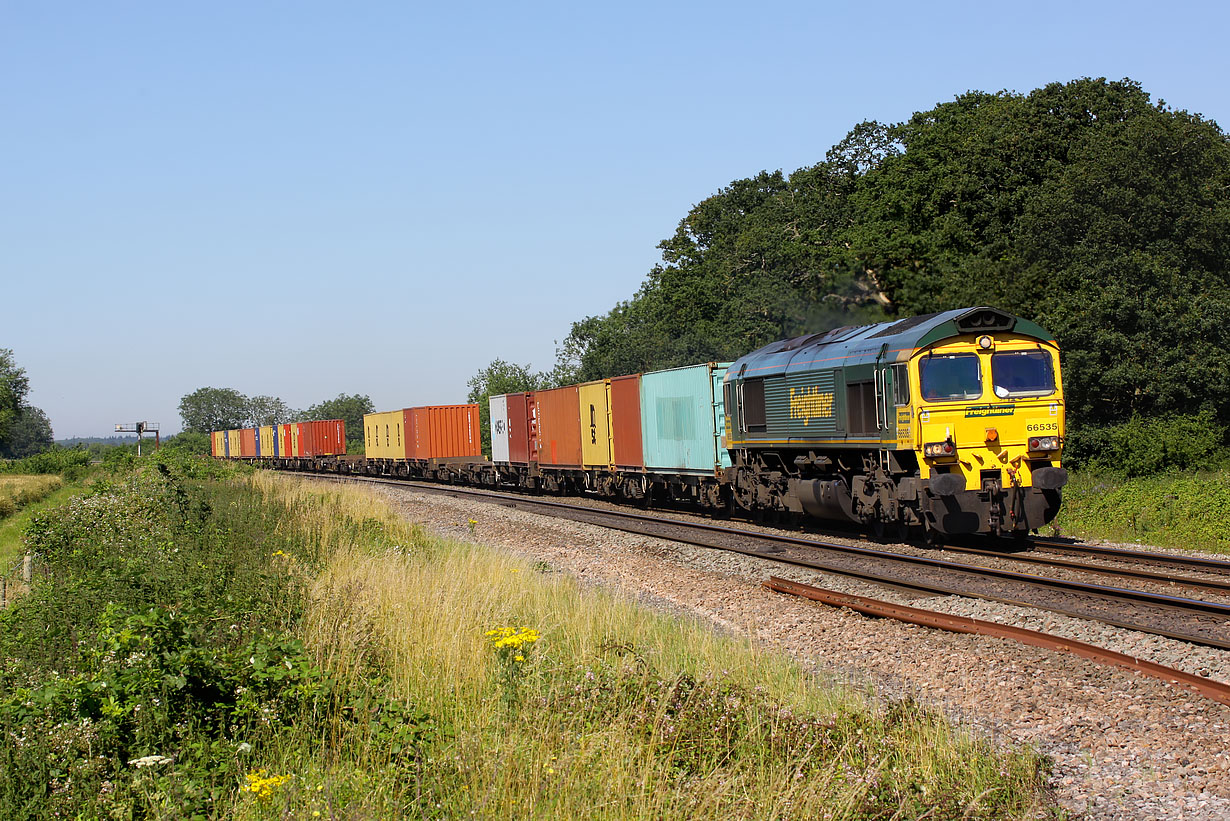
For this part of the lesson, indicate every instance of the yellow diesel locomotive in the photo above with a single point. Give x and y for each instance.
(946, 423)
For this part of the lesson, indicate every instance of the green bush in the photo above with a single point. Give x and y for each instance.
(1149, 446)
(154, 665)
(68, 462)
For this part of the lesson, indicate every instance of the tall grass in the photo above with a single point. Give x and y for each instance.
(616, 712)
(201, 641)
(18, 491)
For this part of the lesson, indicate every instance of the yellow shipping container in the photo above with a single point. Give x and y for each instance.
(384, 435)
(232, 440)
(218, 444)
(265, 436)
(596, 423)
(294, 439)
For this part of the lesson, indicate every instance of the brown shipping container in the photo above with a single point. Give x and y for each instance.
(444, 432)
(323, 438)
(559, 427)
(522, 428)
(307, 438)
(247, 438)
(626, 422)
(337, 436)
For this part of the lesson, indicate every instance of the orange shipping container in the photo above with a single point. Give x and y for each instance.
(443, 432)
(559, 427)
(247, 443)
(322, 438)
(626, 422)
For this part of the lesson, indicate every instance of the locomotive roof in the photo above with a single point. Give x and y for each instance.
(888, 340)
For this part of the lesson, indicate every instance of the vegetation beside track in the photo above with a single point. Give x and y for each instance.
(1189, 511)
(205, 640)
(18, 491)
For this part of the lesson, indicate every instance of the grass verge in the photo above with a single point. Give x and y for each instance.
(251, 646)
(12, 527)
(1189, 511)
(18, 491)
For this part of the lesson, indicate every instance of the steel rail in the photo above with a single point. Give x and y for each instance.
(644, 525)
(1156, 599)
(1042, 545)
(1138, 556)
(1143, 575)
(1215, 690)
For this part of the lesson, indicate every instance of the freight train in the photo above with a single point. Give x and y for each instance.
(941, 424)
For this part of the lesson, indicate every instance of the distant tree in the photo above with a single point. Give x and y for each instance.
(347, 408)
(210, 409)
(29, 434)
(268, 410)
(14, 385)
(189, 441)
(497, 378)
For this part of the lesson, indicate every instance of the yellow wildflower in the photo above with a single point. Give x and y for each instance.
(262, 785)
(512, 637)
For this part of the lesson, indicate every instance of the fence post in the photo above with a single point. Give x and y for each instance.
(25, 568)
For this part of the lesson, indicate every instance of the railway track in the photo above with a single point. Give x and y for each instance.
(1197, 563)
(1038, 556)
(1185, 619)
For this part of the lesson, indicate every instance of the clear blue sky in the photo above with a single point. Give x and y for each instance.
(303, 199)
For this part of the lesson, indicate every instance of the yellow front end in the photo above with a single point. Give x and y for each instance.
(984, 429)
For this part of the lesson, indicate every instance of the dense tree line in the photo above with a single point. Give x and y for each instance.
(209, 409)
(24, 429)
(1086, 206)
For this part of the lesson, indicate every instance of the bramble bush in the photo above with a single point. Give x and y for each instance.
(1149, 446)
(68, 462)
(154, 660)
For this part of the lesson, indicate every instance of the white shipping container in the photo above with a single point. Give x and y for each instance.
(499, 428)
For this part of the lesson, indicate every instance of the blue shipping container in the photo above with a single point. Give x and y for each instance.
(226, 442)
(683, 418)
(259, 452)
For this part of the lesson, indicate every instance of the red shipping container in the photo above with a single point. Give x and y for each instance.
(559, 427)
(522, 428)
(335, 437)
(443, 432)
(626, 422)
(322, 438)
(307, 438)
(247, 439)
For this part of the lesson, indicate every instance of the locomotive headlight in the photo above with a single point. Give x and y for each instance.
(985, 342)
(1044, 443)
(938, 450)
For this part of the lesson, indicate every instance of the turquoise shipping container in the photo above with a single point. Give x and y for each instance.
(683, 418)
